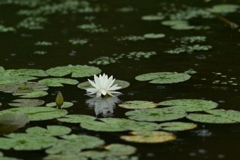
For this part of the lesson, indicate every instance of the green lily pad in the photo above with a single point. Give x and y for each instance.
(10, 122)
(138, 104)
(23, 141)
(64, 157)
(76, 118)
(190, 105)
(65, 104)
(34, 94)
(72, 144)
(26, 102)
(220, 116)
(37, 113)
(123, 84)
(6, 78)
(57, 82)
(164, 77)
(111, 151)
(156, 114)
(27, 72)
(149, 137)
(153, 35)
(49, 131)
(24, 87)
(177, 126)
(224, 8)
(117, 125)
(76, 71)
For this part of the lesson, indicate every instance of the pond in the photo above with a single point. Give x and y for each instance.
(176, 61)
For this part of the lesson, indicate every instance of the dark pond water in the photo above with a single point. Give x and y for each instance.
(123, 18)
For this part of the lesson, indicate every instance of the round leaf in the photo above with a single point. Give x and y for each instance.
(57, 82)
(50, 131)
(26, 102)
(138, 104)
(177, 126)
(65, 104)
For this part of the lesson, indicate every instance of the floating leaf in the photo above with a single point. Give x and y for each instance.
(149, 137)
(26, 102)
(177, 126)
(153, 35)
(57, 82)
(37, 113)
(138, 104)
(65, 104)
(76, 71)
(6, 78)
(23, 141)
(10, 122)
(123, 84)
(72, 144)
(190, 105)
(25, 87)
(50, 131)
(156, 114)
(64, 157)
(75, 118)
(34, 94)
(224, 8)
(111, 151)
(164, 77)
(117, 125)
(27, 72)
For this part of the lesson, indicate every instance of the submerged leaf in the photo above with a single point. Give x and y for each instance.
(10, 122)
(137, 104)
(149, 137)
(76, 71)
(164, 77)
(37, 113)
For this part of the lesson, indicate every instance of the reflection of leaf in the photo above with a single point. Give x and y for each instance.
(50, 131)
(26, 102)
(37, 113)
(23, 141)
(190, 105)
(76, 71)
(163, 77)
(177, 126)
(72, 144)
(10, 122)
(123, 84)
(149, 137)
(138, 104)
(156, 114)
(57, 82)
(216, 116)
(118, 125)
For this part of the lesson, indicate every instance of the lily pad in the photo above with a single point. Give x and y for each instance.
(149, 137)
(23, 141)
(26, 102)
(224, 8)
(154, 35)
(24, 87)
(117, 125)
(49, 131)
(164, 77)
(76, 118)
(57, 82)
(6, 78)
(72, 144)
(138, 104)
(34, 94)
(123, 84)
(75, 71)
(10, 122)
(177, 126)
(65, 104)
(156, 114)
(27, 72)
(190, 105)
(37, 113)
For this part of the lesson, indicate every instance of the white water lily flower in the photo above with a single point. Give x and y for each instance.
(103, 86)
